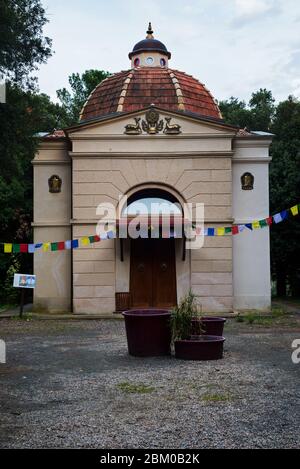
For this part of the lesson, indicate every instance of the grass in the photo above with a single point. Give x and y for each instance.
(6, 307)
(277, 316)
(25, 317)
(131, 388)
(216, 397)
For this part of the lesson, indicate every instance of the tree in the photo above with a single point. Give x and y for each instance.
(262, 109)
(257, 115)
(22, 48)
(81, 88)
(22, 44)
(235, 112)
(285, 192)
(284, 121)
(21, 118)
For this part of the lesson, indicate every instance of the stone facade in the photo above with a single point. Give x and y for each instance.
(97, 162)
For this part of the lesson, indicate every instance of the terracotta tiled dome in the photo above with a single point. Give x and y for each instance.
(136, 89)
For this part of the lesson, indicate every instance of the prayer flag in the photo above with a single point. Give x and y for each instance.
(294, 210)
(263, 223)
(277, 218)
(85, 241)
(46, 247)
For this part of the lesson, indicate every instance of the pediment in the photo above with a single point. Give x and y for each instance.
(136, 124)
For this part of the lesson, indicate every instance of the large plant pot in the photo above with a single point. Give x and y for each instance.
(210, 325)
(148, 332)
(200, 347)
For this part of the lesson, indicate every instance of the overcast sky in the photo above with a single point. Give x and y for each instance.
(233, 46)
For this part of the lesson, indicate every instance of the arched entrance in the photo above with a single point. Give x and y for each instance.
(153, 260)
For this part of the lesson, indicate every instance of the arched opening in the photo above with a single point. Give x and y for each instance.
(152, 201)
(153, 258)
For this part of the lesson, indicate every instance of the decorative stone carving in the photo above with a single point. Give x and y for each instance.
(55, 184)
(171, 129)
(152, 124)
(133, 129)
(247, 180)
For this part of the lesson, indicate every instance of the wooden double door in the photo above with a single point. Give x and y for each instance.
(153, 273)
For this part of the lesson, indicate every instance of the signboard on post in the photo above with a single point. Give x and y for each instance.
(23, 281)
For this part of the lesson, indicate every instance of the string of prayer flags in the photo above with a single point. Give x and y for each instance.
(15, 248)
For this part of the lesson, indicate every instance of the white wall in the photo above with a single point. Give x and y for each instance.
(251, 249)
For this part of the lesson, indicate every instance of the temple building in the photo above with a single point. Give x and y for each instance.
(151, 133)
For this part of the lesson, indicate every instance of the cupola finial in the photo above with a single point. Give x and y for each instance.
(150, 32)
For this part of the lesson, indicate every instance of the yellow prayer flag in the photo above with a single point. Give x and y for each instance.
(85, 241)
(46, 247)
(256, 225)
(220, 231)
(295, 210)
(7, 248)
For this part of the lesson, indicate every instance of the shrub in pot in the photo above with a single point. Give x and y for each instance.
(187, 333)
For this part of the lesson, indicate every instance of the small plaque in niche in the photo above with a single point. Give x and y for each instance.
(54, 183)
(247, 180)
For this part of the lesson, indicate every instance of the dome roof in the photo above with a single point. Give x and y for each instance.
(137, 89)
(149, 45)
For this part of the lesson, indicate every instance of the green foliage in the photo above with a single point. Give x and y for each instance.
(257, 115)
(24, 114)
(182, 315)
(22, 44)
(81, 87)
(282, 120)
(285, 192)
(131, 388)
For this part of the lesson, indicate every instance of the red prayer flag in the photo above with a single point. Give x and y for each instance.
(269, 220)
(235, 230)
(61, 245)
(97, 239)
(23, 247)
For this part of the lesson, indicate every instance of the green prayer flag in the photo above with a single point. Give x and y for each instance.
(263, 223)
(92, 239)
(16, 248)
(227, 229)
(54, 246)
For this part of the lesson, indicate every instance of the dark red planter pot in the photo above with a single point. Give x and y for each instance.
(200, 347)
(210, 325)
(148, 332)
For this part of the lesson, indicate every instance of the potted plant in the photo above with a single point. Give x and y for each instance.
(187, 333)
(148, 332)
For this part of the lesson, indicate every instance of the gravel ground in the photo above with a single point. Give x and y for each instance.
(71, 384)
